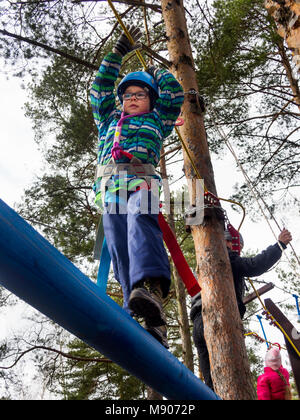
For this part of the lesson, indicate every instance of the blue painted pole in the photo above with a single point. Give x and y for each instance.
(35, 271)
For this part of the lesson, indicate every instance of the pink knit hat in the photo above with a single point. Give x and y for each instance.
(273, 358)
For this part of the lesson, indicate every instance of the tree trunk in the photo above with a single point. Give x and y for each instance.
(286, 15)
(289, 73)
(222, 324)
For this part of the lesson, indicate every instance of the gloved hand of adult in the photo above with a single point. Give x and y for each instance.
(123, 45)
(116, 151)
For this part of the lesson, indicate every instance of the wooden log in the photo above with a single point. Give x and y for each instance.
(261, 291)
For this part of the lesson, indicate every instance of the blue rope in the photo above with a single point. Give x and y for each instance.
(297, 306)
(259, 318)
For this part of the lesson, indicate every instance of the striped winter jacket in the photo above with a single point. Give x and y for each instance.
(142, 135)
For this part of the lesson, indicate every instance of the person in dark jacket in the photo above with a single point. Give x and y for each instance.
(241, 267)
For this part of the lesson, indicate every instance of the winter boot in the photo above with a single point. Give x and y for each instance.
(146, 301)
(159, 333)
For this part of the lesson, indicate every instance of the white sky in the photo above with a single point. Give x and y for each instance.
(19, 156)
(20, 160)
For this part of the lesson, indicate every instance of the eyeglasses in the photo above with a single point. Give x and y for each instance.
(140, 96)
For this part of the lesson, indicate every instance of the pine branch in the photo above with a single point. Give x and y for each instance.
(51, 49)
(68, 356)
(155, 7)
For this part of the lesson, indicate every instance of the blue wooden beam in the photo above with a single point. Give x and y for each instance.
(35, 271)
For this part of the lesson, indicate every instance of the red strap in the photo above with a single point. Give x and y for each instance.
(179, 121)
(181, 265)
(128, 155)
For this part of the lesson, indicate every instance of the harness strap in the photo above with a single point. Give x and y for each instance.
(137, 169)
(104, 267)
(99, 240)
(180, 262)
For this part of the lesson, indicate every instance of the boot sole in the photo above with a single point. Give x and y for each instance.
(148, 309)
(158, 337)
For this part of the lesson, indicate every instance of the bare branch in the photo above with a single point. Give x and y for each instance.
(68, 356)
(155, 7)
(51, 49)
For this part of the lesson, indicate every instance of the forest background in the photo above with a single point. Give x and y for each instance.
(246, 75)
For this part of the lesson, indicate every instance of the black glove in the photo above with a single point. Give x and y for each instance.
(123, 45)
(152, 70)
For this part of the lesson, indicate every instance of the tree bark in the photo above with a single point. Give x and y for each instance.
(289, 73)
(222, 324)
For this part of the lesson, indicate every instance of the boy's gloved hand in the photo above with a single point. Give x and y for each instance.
(152, 70)
(123, 45)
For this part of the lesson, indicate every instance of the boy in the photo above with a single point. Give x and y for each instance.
(151, 103)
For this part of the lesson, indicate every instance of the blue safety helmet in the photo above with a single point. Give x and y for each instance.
(142, 79)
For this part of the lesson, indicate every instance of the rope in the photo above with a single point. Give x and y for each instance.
(262, 327)
(248, 181)
(127, 33)
(254, 192)
(262, 340)
(273, 319)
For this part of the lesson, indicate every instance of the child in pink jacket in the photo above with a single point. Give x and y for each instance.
(273, 384)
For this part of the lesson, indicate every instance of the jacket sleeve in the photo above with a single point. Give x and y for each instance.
(170, 100)
(102, 91)
(258, 265)
(263, 389)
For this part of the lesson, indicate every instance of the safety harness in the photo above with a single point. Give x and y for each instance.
(146, 172)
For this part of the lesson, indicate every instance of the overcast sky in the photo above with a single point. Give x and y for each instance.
(19, 156)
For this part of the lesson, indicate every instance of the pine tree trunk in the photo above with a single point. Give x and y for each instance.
(289, 73)
(286, 15)
(222, 325)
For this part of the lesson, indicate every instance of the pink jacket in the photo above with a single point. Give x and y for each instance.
(270, 386)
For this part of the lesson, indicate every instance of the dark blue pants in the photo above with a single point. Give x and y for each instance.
(135, 241)
(200, 343)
